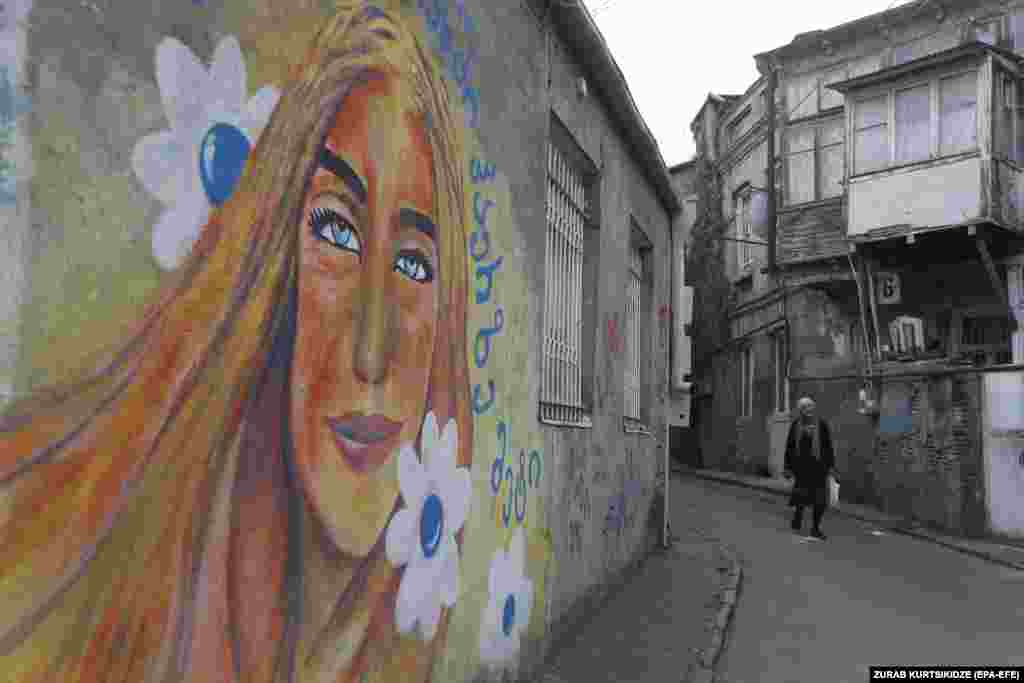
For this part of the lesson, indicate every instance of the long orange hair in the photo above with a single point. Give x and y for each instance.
(151, 528)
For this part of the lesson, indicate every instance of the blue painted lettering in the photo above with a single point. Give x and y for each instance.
(479, 408)
(486, 272)
(482, 345)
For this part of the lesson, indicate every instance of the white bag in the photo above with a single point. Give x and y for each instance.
(833, 491)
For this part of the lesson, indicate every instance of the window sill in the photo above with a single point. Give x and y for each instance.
(633, 426)
(585, 423)
(914, 165)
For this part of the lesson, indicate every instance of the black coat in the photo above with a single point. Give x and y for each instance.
(809, 472)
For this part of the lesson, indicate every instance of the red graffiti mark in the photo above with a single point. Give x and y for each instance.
(664, 312)
(614, 338)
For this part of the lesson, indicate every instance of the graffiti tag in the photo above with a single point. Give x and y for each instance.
(479, 250)
(459, 61)
(508, 485)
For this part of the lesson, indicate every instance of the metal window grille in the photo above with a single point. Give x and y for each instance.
(634, 332)
(561, 379)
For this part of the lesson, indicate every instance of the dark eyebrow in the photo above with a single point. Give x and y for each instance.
(336, 165)
(415, 219)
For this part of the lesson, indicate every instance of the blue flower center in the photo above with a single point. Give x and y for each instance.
(431, 525)
(222, 156)
(508, 615)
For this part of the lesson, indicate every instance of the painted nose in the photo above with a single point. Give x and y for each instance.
(377, 329)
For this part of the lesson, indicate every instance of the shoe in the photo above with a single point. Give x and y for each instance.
(818, 535)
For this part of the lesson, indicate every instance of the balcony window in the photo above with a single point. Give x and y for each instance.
(871, 134)
(934, 119)
(958, 112)
(1015, 30)
(1009, 129)
(913, 123)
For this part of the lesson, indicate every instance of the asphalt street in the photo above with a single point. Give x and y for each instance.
(824, 611)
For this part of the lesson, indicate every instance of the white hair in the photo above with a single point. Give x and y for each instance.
(805, 401)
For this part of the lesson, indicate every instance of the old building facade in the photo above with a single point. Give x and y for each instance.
(870, 221)
(359, 318)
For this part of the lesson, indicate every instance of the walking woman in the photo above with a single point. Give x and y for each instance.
(223, 499)
(809, 461)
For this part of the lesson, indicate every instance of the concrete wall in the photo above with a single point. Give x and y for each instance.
(159, 187)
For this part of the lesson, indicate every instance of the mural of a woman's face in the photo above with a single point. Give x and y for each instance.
(367, 310)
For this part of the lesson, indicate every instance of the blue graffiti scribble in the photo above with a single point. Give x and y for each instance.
(499, 461)
(535, 469)
(514, 505)
(483, 338)
(614, 519)
(486, 273)
(458, 61)
(481, 407)
(480, 211)
(12, 106)
(481, 172)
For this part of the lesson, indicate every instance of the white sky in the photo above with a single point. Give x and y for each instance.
(674, 52)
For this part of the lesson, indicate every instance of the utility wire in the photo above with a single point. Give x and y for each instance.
(601, 8)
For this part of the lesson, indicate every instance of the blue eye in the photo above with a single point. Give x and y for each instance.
(414, 266)
(329, 226)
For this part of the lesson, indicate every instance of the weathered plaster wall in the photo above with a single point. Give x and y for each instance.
(607, 478)
(921, 458)
(129, 183)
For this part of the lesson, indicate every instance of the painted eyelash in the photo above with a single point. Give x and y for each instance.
(417, 260)
(320, 218)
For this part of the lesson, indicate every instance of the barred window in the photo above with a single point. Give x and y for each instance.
(743, 229)
(561, 379)
(637, 333)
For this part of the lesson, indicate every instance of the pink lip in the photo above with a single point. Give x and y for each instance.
(365, 441)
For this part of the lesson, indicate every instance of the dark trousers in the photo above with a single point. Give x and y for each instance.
(817, 510)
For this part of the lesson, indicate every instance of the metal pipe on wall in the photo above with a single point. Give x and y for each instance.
(874, 307)
(666, 538)
(863, 313)
(770, 171)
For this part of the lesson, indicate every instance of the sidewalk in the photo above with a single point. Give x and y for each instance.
(991, 550)
(665, 624)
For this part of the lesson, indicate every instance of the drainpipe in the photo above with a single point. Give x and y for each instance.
(666, 538)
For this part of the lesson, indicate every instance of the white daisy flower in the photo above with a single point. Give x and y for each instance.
(507, 613)
(197, 162)
(421, 536)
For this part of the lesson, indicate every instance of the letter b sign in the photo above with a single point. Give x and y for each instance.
(888, 288)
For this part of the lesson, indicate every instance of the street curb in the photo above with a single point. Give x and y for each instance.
(952, 545)
(704, 671)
